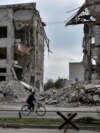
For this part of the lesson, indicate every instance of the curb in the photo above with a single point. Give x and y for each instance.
(88, 127)
(17, 110)
(54, 109)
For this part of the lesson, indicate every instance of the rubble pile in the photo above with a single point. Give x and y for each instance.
(12, 91)
(66, 97)
(58, 97)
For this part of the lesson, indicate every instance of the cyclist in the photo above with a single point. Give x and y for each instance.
(30, 100)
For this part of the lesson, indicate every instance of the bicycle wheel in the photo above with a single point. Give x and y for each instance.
(41, 110)
(25, 111)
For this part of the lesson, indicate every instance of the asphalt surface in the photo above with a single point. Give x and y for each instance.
(49, 114)
(3, 130)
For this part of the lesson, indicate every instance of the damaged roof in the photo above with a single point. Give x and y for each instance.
(93, 17)
(72, 21)
(26, 6)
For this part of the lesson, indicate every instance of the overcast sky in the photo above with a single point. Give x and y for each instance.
(65, 42)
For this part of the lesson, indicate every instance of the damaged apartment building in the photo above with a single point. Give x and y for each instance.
(22, 39)
(89, 15)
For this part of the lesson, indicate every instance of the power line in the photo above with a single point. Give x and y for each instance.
(62, 22)
(70, 17)
(72, 10)
(55, 22)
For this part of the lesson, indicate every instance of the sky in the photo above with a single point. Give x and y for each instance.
(65, 42)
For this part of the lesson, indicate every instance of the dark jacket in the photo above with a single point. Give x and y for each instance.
(30, 99)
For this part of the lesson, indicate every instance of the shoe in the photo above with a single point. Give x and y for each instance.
(29, 108)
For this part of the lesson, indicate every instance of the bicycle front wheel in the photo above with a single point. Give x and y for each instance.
(41, 110)
(25, 110)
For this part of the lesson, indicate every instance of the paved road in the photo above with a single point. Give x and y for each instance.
(49, 114)
(43, 131)
(51, 111)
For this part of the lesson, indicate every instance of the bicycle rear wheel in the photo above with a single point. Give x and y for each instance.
(25, 110)
(41, 110)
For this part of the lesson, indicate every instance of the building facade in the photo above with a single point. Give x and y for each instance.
(89, 15)
(22, 38)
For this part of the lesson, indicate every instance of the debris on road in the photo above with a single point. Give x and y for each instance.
(14, 91)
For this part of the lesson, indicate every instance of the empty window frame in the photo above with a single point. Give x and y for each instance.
(2, 78)
(3, 53)
(3, 32)
(2, 70)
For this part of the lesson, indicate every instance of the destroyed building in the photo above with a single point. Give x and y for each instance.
(89, 15)
(22, 37)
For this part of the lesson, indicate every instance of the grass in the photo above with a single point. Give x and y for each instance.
(47, 121)
(33, 121)
(88, 120)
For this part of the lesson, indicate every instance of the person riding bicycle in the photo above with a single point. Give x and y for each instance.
(30, 100)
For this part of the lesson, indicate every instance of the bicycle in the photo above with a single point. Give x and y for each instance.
(38, 108)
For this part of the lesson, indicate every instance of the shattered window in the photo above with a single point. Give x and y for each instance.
(3, 32)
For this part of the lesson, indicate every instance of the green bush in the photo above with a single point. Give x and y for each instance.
(59, 83)
(49, 84)
(86, 120)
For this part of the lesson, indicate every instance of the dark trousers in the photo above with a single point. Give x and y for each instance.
(31, 105)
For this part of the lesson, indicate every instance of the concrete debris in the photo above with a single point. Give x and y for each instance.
(58, 97)
(12, 91)
(18, 91)
(67, 97)
(27, 86)
(89, 86)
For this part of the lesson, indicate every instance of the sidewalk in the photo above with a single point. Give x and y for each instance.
(73, 109)
(43, 131)
(46, 127)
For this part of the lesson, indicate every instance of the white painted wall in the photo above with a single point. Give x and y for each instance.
(76, 70)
